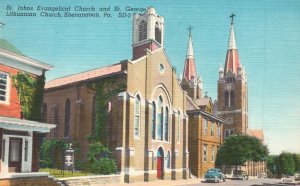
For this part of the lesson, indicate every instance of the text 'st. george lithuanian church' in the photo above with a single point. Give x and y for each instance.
(146, 126)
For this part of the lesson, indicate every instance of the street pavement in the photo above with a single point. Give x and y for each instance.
(250, 182)
(196, 182)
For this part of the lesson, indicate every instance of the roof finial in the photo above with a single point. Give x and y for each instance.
(190, 51)
(232, 16)
(1, 26)
(190, 30)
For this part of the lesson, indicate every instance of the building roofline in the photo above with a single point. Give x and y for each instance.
(206, 114)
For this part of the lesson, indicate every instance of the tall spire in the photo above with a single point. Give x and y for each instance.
(190, 72)
(232, 61)
(231, 42)
(190, 51)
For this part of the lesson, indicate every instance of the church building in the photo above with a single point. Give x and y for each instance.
(232, 103)
(147, 124)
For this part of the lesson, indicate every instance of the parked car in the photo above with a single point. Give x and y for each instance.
(297, 176)
(241, 175)
(214, 175)
(262, 175)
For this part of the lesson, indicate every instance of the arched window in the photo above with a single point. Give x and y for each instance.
(44, 116)
(142, 30)
(226, 133)
(168, 161)
(226, 99)
(166, 125)
(67, 118)
(231, 132)
(231, 98)
(94, 115)
(153, 120)
(160, 118)
(157, 33)
(137, 116)
(178, 128)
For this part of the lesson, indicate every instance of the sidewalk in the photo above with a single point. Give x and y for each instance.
(162, 182)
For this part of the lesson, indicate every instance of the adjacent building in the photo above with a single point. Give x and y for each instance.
(205, 129)
(19, 134)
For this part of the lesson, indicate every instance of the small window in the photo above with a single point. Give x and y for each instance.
(204, 152)
(205, 126)
(67, 118)
(142, 30)
(218, 129)
(212, 128)
(161, 68)
(226, 99)
(168, 161)
(137, 112)
(3, 87)
(160, 113)
(226, 133)
(157, 33)
(213, 153)
(178, 128)
(166, 125)
(153, 120)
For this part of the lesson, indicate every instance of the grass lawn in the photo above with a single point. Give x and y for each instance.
(62, 174)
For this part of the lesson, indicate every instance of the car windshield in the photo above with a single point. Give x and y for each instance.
(211, 170)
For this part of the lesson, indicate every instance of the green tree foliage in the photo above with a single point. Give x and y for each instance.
(30, 93)
(284, 164)
(99, 161)
(238, 149)
(105, 90)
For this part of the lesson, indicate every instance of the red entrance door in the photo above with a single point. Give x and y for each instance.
(159, 167)
(15, 155)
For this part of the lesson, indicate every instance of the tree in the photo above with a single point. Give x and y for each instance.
(238, 149)
(286, 163)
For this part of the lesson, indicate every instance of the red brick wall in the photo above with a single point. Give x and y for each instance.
(13, 109)
(140, 51)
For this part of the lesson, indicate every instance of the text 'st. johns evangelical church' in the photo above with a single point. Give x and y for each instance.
(155, 123)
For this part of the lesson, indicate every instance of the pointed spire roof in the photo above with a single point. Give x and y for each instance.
(190, 71)
(190, 50)
(232, 61)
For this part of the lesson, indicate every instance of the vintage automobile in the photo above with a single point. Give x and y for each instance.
(240, 175)
(214, 175)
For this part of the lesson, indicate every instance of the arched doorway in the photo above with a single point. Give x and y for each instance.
(160, 163)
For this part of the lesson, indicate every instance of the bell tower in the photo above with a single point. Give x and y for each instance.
(190, 82)
(147, 32)
(233, 90)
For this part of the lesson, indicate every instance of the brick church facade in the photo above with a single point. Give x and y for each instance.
(147, 120)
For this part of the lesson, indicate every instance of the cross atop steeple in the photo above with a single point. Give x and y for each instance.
(1, 26)
(190, 30)
(232, 16)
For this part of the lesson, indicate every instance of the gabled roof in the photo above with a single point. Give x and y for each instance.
(203, 101)
(8, 46)
(84, 76)
(259, 134)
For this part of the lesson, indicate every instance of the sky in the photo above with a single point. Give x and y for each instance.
(267, 36)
